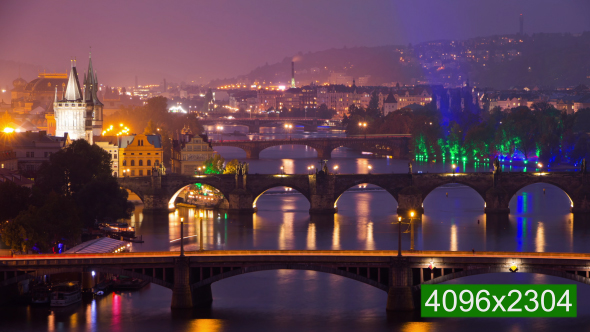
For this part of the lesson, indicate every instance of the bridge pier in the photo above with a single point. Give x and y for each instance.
(399, 296)
(497, 200)
(409, 199)
(254, 129)
(181, 292)
(155, 202)
(321, 196)
(241, 202)
(252, 154)
(202, 296)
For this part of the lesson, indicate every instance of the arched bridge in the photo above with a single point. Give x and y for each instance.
(190, 277)
(323, 190)
(392, 145)
(309, 124)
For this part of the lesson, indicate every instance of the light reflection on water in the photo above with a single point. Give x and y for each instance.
(290, 300)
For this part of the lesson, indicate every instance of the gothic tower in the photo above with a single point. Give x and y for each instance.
(72, 114)
(91, 98)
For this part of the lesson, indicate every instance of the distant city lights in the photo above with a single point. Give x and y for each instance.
(123, 130)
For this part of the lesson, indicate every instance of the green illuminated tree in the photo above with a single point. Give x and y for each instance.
(214, 164)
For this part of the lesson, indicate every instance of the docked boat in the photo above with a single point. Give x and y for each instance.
(41, 294)
(117, 229)
(64, 295)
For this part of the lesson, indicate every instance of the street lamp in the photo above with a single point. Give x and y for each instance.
(288, 126)
(282, 169)
(219, 131)
(454, 168)
(363, 126)
(335, 169)
(370, 168)
(399, 236)
(181, 237)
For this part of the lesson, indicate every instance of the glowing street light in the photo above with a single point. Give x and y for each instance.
(289, 126)
(335, 169)
(282, 169)
(454, 168)
(363, 126)
(370, 168)
(399, 236)
(8, 130)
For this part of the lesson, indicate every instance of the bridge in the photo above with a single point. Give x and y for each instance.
(254, 124)
(190, 276)
(391, 145)
(241, 191)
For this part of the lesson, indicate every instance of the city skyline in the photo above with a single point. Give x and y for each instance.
(193, 42)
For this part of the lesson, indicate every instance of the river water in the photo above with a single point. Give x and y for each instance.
(287, 300)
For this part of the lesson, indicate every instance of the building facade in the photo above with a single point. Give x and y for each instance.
(189, 152)
(79, 113)
(32, 149)
(139, 154)
(111, 145)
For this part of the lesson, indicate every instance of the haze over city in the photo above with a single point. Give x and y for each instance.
(204, 40)
(325, 165)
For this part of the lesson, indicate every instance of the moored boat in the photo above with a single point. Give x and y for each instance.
(66, 294)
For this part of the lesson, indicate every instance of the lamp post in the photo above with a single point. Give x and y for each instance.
(399, 236)
(199, 170)
(181, 237)
(540, 166)
(363, 126)
(370, 168)
(288, 126)
(335, 169)
(282, 169)
(219, 131)
(454, 168)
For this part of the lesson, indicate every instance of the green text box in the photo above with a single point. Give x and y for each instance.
(482, 300)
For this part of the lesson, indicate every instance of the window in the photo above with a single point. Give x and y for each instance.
(115, 174)
(132, 172)
(114, 156)
(132, 154)
(132, 162)
(156, 153)
(124, 162)
(156, 162)
(140, 163)
(149, 153)
(141, 154)
(149, 172)
(149, 162)
(141, 172)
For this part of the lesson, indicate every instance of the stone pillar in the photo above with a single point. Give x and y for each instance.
(181, 292)
(241, 201)
(581, 200)
(202, 296)
(155, 202)
(409, 199)
(399, 297)
(253, 153)
(321, 194)
(497, 200)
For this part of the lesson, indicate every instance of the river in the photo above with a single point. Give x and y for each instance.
(288, 300)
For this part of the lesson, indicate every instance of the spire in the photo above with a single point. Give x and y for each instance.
(73, 89)
(55, 99)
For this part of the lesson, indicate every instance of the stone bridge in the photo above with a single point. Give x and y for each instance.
(392, 145)
(323, 190)
(309, 124)
(190, 276)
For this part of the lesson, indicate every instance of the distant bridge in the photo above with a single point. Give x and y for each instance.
(392, 145)
(241, 191)
(254, 124)
(190, 277)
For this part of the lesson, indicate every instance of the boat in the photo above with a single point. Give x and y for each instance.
(66, 294)
(126, 283)
(117, 229)
(41, 294)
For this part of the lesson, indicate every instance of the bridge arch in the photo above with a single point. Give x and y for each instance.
(305, 267)
(548, 184)
(361, 183)
(288, 143)
(453, 180)
(278, 185)
(172, 201)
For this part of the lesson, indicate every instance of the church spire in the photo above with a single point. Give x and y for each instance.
(73, 89)
(55, 99)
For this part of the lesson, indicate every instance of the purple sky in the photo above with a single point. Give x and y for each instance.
(202, 40)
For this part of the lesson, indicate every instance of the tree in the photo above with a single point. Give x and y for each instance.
(102, 199)
(13, 199)
(40, 228)
(71, 168)
(151, 128)
(231, 167)
(214, 164)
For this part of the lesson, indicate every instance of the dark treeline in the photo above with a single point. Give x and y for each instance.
(71, 192)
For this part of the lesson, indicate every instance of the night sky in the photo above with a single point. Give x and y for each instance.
(203, 40)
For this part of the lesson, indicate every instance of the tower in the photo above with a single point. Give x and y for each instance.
(521, 20)
(293, 74)
(91, 98)
(72, 114)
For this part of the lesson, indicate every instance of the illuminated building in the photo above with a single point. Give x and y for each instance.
(189, 152)
(32, 149)
(76, 113)
(8, 158)
(139, 154)
(111, 145)
(389, 105)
